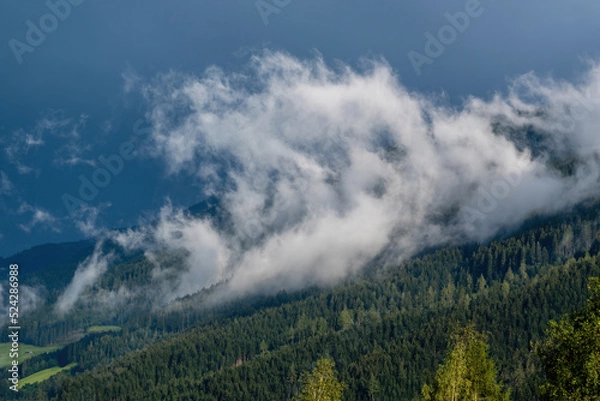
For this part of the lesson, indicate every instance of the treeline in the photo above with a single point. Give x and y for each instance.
(387, 334)
(250, 359)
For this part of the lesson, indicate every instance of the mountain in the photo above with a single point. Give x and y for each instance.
(49, 256)
(386, 328)
(48, 264)
(44, 263)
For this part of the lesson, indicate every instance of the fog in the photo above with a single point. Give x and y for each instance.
(322, 168)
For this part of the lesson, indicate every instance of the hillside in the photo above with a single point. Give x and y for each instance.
(389, 324)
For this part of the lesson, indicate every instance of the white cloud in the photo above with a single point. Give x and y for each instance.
(86, 219)
(30, 298)
(73, 150)
(6, 186)
(87, 274)
(131, 79)
(39, 217)
(205, 253)
(321, 170)
(21, 146)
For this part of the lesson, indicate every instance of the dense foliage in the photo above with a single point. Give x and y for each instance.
(571, 354)
(321, 384)
(387, 331)
(468, 373)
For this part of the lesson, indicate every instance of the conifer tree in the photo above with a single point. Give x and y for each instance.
(468, 373)
(321, 384)
(571, 353)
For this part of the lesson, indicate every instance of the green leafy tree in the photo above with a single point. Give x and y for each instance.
(321, 384)
(571, 353)
(468, 373)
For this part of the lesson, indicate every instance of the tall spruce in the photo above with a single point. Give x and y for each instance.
(321, 384)
(468, 373)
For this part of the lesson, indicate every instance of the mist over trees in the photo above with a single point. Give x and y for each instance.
(388, 331)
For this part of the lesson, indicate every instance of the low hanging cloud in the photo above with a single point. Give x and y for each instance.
(205, 252)
(30, 298)
(87, 274)
(319, 170)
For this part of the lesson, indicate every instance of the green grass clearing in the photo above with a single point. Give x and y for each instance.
(44, 374)
(102, 329)
(5, 359)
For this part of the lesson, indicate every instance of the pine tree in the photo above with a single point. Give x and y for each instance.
(374, 387)
(467, 374)
(321, 384)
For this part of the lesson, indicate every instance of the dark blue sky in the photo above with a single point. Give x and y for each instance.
(64, 104)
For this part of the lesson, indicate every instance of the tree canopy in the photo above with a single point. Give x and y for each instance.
(321, 384)
(468, 373)
(571, 353)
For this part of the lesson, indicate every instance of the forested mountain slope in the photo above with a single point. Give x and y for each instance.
(387, 331)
